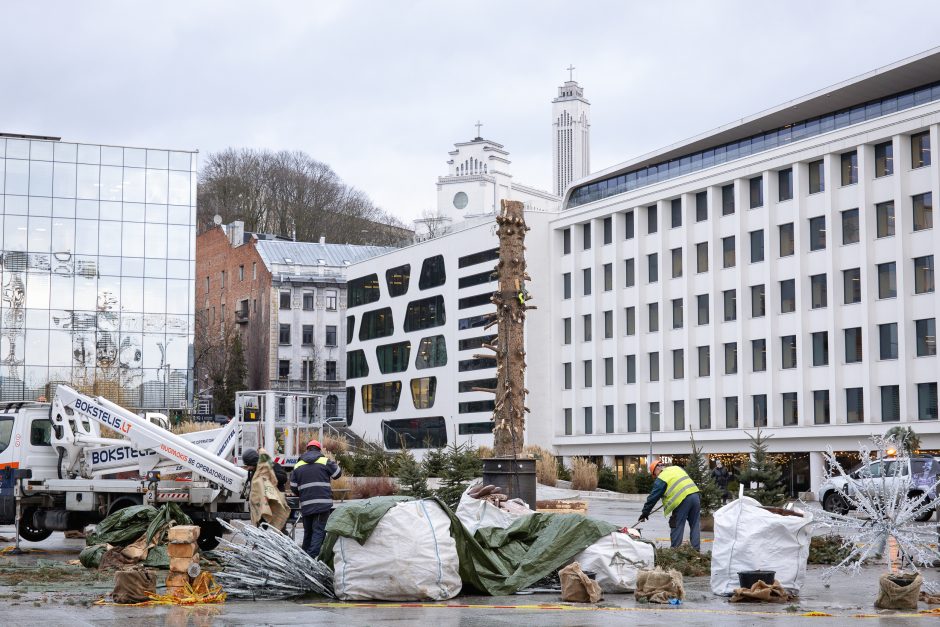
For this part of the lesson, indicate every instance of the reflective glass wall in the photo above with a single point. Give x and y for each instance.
(97, 251)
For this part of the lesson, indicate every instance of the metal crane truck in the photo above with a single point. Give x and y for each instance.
(60, 471)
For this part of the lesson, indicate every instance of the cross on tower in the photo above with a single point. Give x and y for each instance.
(478, 125)
(570, 69)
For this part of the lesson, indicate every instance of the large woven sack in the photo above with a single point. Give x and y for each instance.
(576, 587)
(617, 558)
(481, 514)
(659, 586)
(410, 556)
(265, 501)
(895, 596)
(133, 586)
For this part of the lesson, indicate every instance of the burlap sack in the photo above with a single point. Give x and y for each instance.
(113, 558)
(761, 592)
(138, 550)
(658, 585)
(265, 501)
(929, 599)
(576, 587)
(133, 586)
(892, 596)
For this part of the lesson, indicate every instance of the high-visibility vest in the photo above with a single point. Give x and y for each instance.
(678, 486)
(320, 460)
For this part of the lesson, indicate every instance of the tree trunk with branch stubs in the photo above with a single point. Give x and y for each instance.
(511, 300)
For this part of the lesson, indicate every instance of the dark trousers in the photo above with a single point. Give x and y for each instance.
(314, 532)
(688, 510)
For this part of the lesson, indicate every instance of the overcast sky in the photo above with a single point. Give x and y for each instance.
(381, 90)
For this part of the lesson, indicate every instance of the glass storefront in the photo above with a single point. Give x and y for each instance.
(97, 253)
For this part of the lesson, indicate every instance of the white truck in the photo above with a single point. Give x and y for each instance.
(58, 472)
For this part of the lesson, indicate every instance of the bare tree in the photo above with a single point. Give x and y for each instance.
(432, 223)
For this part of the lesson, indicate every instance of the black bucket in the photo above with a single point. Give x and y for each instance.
(515, 477)
(748, 578)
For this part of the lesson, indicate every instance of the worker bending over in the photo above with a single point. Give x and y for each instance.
(310, 481)
(681, 502)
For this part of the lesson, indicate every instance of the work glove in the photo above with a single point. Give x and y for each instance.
(644, 517)
(672, 521)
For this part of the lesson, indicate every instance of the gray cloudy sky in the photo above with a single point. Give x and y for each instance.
(382, 90)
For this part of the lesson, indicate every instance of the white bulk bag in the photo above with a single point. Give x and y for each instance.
(410, 556)
(616, 558)
(749, 537)
(479, 513)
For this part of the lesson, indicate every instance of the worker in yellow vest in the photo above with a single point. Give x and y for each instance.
(681, 502)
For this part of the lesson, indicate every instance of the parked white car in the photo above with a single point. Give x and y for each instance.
(920, 473)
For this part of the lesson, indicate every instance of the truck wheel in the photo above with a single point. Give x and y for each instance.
(28, 531)
(209, 532)
(835, 502)
(926, 515)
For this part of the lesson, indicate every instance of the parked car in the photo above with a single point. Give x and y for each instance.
(920, 473)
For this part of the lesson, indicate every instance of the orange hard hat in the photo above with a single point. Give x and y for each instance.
(314, 443)
(654, 465)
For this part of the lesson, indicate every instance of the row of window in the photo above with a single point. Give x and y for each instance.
(890, 401)
(307, 370)
(307, 303)
(421, 433)
(925, 346)
(223, 275)
(391, 358)
(425, 313)
(306, 335)
(384, 397)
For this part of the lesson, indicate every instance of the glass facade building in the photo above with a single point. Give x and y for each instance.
(97, 252)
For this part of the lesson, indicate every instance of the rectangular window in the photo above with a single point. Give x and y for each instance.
(567, 374)
(608, 324)
(927, 401)
(654, 366)
(676, 263)
(731, 305)
(731, 358)
(254, 270)
(757, 192)
(817, 288)
(676, 212)
(760, 410)
(758, 301)
(704, 413)
(820, 348)
(652, 313)
(926, 331)
(207, 285)
(307, 300)
(568, 425)
(283, 368)
(629, 226)
(817, 233)
(283, 336)
(884, 159)
(284, 300)
(852, 285)
(586, 326)
(704, 361)
(759, 355)
(702, 306)
(887, 280)
(701, 257)
(731, 412)
(651, 220)
(306, 335)
(330, 369)
(785, 185)
(608, 277)
(787, 296)
(853, 345)
(677, 313)
(654, 416)
(588, 420)
(330, 296)
(850, 231)
(609, 418)
(788, 352)
(566, 241)
(608, 230)
(849, 168)
(222, 279)
(727, 200)
(586, 281)
(888, 340)
(757, 246)
(566, 285)
(588, 373)
(608, 370)
(923, 275)
(816, 178)
(923, 211)
(678, 416)
(631, 368)
(629, 271)
(566, 328)
(631, 417)
(630, 321)
(652, 262)
(727, 252)
(787, 242)
(821, 407)
(791, 409)
(890, 403)
(854, 405)
(701, 206)
(884, 218)
(241, 272)
(920, 149)
(678, 364)
(586, 236)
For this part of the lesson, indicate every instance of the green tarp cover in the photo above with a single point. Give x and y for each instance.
(126, 525)
(493, 561)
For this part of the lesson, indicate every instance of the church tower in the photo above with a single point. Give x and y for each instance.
(571, 134)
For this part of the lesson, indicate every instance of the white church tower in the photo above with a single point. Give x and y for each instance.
(571, 134)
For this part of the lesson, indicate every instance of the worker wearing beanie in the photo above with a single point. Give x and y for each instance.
(310, 481)
(681, 502)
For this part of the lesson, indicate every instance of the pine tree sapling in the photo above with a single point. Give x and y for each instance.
(461, 465)
(412, 478)
(763, 472)
(607, 478)
(699, 472)
(907, 440)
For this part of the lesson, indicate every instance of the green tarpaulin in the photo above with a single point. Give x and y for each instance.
(493, 561)
(126, 525)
